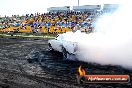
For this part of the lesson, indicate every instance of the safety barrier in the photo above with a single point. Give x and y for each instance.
(43, 29)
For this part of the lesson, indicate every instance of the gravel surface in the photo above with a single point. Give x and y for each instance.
(27, 63)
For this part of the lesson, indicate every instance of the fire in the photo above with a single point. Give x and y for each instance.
(81, 71)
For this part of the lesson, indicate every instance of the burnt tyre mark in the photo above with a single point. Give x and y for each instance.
(46, 69)
(65, 71)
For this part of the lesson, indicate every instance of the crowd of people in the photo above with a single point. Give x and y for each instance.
(56, 22)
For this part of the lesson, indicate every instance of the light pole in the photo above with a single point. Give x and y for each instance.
(78, 2)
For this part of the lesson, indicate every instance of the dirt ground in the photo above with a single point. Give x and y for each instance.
(27, 63)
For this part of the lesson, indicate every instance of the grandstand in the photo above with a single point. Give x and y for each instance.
(57, 20)
(110, 7)
(58, 9)
(88, 8)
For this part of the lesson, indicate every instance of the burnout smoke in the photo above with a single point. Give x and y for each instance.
(111, 43)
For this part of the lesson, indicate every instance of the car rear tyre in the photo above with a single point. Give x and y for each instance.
(66, 55)
(50, 48)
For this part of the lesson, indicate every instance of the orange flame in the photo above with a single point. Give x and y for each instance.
(81, 71)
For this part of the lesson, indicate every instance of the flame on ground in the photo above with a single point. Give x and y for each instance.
(81, 71)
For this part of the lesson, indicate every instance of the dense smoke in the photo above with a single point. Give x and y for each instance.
(111, 43)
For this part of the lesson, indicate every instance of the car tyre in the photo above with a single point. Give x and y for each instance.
(66, 55)
(50, 48)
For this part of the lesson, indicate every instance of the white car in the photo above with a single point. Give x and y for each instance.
(65, 44)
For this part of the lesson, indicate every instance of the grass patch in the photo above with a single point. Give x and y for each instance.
(29, 35)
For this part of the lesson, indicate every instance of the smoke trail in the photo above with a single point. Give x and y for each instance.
(112, 41)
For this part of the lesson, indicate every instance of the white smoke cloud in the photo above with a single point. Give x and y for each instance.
(111, 43)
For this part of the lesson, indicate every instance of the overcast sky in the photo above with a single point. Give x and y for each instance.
(14, 7)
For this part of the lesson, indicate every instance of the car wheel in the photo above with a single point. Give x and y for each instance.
(66, 54)
(50, 48)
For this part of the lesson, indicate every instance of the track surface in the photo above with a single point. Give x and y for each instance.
(27, 63)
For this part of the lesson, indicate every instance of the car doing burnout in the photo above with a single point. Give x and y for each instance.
(65, 44)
